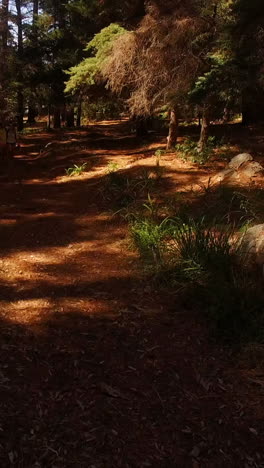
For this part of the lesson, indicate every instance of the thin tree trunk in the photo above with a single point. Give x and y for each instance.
(4, 82)
(32, 110)
(20, 110)
(20, 96)
(141, 127)
(63, 115)
(35, 10)
(4, 24)
(204, 134)
(252, 113)
(226, 115)
(49, 118)
(57, 118)
(70, 116)
(79, 112)
(173, 129)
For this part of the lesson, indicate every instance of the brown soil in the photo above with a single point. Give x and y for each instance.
(98, 369)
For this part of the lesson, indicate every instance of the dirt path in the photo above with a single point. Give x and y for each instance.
(96, 369)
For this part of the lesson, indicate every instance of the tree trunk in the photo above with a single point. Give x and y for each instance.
(32, 110)
(32, 113)
(4, 24)
(79, 112)
(204, 134)
(4, 81)
(57, 118)
(70, 116)
(35, 10)
(20, 110)
(252, 113)
(226, 115)
(49, 117)
(141, 126)
(63, 115)
(20, 96)
(173, 129)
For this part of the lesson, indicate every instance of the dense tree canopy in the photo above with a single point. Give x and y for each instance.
(204, 56)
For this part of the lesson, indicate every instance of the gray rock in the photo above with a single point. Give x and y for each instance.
(225, 175)
(252, 169)
(252, 244)
(238, 160)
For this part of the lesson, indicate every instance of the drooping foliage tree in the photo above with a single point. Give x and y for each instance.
(157, 64)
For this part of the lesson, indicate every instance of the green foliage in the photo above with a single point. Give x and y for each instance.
(86, 73)
(194, 249)
(203, 261)
(112, 167)
(203, 249)
(188, 150)
(102, 108)
(76, 170)
(149, 238)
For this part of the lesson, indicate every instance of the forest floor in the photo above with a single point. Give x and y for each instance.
(98, 369)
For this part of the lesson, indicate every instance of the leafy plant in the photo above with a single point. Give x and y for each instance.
(148, 238)
(151, 206)
(189, 151)
(203, 250)
(76, 170)
(112, 167)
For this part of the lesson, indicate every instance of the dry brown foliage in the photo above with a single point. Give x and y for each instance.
(158, 62)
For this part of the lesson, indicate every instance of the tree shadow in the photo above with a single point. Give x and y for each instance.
(79, 390)
(97, 369)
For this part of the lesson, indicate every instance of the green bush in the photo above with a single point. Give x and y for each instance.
(188, 150)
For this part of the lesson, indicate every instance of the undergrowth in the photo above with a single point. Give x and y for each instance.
(127, 192)
(202, 259)
(188, 150)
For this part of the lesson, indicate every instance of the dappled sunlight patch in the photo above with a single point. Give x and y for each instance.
(26, 312)
(36, 311)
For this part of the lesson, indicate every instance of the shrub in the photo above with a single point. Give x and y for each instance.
(189, 151)
(203, 262)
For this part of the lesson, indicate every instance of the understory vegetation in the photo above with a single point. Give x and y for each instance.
(201, 261)
(188, 251)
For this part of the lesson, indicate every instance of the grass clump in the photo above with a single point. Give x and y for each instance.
(150, 238)
(202, 250)
(126, 193)
(76, 170)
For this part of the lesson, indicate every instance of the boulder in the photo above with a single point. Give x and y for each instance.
(226, 175)
(239, 160)
(252, 244)
(241, 168)
(251, 169)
